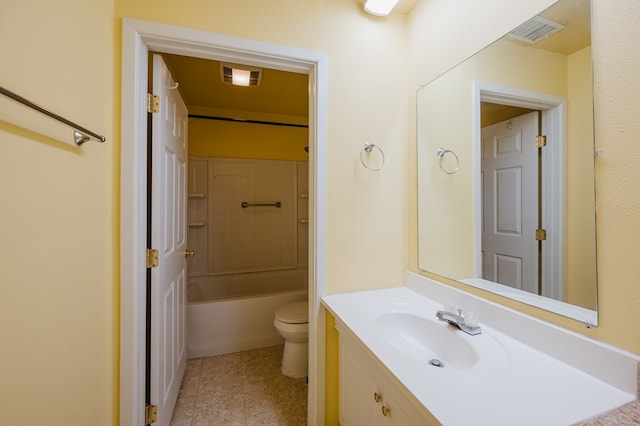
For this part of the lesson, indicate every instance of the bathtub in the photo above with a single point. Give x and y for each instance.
(230, 313)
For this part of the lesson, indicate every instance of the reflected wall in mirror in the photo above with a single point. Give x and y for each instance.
(500, 207)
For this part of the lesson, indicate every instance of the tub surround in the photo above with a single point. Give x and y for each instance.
(248, 228)
(234, 325)
(243, 215)
(549, 375)
(254, 284)
(235, 313)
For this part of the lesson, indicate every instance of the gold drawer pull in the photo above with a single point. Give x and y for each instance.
(377, 397)
(385, 411)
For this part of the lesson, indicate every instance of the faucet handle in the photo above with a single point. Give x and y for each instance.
(451, 308)
(471, 319)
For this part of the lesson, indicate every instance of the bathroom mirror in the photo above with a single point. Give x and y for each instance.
(506, 197)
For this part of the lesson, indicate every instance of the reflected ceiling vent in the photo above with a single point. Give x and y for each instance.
(535, 29)
(240, 75)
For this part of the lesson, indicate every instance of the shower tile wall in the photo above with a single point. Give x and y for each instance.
(228, 238)
(197, 217)
(303, 214)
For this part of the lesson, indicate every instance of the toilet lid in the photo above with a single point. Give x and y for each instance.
(293, 313)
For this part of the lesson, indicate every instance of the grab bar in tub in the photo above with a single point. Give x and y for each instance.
(246, 204)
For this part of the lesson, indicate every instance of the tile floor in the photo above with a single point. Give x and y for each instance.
(240, 389)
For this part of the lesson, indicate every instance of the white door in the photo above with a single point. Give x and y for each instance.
(510, 202)
(168, 226)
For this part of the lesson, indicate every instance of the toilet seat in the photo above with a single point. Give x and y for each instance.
(293, 313)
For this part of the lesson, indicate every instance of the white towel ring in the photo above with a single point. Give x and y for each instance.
(441, 153)
(367, 148)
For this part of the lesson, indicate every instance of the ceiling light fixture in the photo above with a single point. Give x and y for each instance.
(240, 75)
(379, 7)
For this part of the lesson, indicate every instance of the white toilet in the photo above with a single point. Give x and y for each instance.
(292, 322)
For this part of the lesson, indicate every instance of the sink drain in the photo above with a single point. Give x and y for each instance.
(436, 363)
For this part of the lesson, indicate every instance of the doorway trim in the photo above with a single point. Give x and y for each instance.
(138, 38)
(554, 122)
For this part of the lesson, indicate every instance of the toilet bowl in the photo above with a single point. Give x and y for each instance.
(292, 322)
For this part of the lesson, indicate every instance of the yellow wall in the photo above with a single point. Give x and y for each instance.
(212, 138)
(362, 53)
(581, 215)
(616, 40)
(60, 232)
(58, 216)
(332, 356)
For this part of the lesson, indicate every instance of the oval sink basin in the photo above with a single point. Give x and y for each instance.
(425, 340)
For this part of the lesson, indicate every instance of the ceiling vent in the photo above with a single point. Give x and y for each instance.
(240, 75)
(535, 29)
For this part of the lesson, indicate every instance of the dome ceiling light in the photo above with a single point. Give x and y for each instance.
(379, 7)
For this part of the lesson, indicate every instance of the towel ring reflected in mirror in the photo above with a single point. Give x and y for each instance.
(366, 150)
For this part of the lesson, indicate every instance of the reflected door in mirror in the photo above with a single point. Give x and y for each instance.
(510, 202)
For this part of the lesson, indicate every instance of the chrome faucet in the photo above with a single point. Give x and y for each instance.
(457, 319)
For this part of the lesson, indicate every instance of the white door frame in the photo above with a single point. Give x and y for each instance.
(138, 37)
(553, 175)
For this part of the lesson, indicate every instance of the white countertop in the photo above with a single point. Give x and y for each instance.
(510, 384)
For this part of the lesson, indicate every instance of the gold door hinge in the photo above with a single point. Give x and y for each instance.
(541, 234)
(153, 103)
(150, 414)
(152, 258)
(541, 141)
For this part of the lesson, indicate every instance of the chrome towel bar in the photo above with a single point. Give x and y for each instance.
(80, 136)
(246, 204)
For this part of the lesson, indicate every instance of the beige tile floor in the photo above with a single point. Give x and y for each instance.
(240, 389)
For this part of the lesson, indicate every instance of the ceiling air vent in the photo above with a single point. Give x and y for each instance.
(535, 29)
(240, 75)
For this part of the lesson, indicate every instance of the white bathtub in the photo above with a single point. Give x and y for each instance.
(230, 313)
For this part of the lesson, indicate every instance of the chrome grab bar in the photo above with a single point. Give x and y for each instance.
(246, 204)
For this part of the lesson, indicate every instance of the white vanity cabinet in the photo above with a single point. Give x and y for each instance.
(575, 378)
(368, 394)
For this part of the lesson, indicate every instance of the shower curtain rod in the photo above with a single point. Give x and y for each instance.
(81, 135)
(241, 120)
